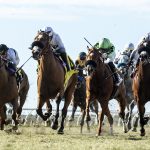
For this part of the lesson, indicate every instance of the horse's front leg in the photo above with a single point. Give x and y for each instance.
(48, 108)
(129, 114)
(88, 118)
(3, 117)
(143, 122)
(41, 102)
(14, 114)
(54, 124)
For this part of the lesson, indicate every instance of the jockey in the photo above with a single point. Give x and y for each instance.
(11, 55)
(57, 45)
(144, 45)
(123, 57)
(108, 51)
(80, 62)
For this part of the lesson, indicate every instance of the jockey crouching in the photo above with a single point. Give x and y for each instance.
(144, 45)
(12, 59)
(57, 45)
(108, 51)
(122, 59)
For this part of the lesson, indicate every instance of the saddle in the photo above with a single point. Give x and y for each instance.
(72, 66)
(115, 88)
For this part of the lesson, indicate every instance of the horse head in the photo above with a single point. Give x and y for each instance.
(144, 56)
(94, 60)
(41, 45)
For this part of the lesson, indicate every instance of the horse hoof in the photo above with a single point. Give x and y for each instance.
(142, 134)
(134, 130)
(60, 132)
(47, 114)
(54, 126)
(15, 128)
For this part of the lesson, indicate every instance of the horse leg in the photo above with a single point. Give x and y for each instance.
(131, 106)
(96, 110)
(14, 114)
(88, 118)
(122, 104)
(135, 121)
(74, 108)
(41, 102)
(3, 117)
(48, 108)
(54, 124)
(82, 121)
(141, 109)
(101, 117)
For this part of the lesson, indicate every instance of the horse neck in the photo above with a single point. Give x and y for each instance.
(49, 63)
(144, 70)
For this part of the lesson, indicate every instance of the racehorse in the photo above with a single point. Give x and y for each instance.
(22, 91)
(141, 85)
(79, 99)
(51, 79)
(8, 94)
(99, 85)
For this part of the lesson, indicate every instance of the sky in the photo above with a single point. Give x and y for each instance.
(122, 21)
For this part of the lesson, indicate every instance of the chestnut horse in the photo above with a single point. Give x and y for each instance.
(141, 86)
(51, 79)
(8, 94)
(99, 85)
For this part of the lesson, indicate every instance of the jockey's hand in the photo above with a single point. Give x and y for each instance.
(104, 55)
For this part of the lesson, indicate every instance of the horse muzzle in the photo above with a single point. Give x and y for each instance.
(36, 52)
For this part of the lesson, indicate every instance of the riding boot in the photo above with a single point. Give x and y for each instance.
(65, 59)
(117, 77)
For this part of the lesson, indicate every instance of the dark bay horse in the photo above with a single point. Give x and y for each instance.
(51, 79)
(141, 86)
(100, 87)
(8, 94)
(79, 100)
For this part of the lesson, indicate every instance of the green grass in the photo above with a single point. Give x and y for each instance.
(44, 138)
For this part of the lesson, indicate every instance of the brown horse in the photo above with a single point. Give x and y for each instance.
(8, 93)
(141, 85)
(51, 79)
(23, 91)
(99, 85)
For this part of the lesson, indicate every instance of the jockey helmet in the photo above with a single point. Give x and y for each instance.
(3, 48)
(82, 55)
(48, 30)
(105, 43)
(129, 47)
(147, 37)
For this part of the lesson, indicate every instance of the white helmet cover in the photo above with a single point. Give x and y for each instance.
(129, 47)
(48, 30)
